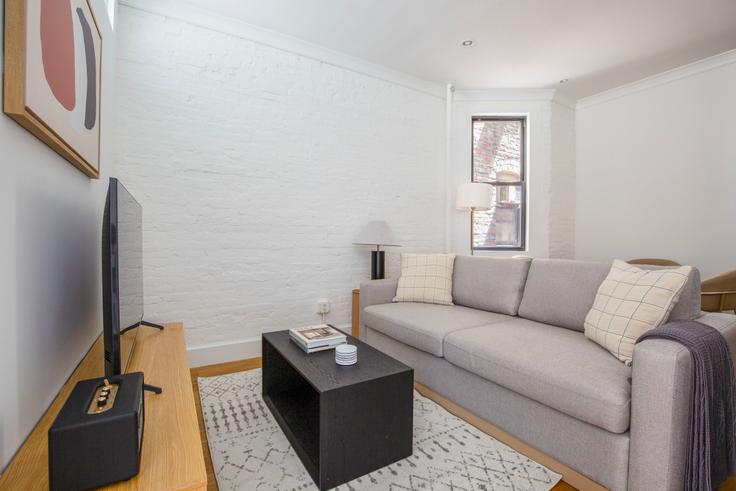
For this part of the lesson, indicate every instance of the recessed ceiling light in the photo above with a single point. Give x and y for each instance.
(564, 80)
(468, 43)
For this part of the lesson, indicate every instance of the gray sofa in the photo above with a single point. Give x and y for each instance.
(512, 351)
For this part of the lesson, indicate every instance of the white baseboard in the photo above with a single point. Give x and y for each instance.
(212, 354)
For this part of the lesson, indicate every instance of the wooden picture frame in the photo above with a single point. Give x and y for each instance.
(14, 87)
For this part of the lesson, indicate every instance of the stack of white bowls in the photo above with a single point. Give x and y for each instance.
(346, 354)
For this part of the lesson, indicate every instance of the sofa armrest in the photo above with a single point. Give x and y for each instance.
(661, 396)
(375, 292)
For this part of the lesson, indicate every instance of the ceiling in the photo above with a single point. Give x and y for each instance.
(595, 44)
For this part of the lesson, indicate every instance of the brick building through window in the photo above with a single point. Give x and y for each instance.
(498, 158)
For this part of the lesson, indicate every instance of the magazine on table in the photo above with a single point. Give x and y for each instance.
(317, 338)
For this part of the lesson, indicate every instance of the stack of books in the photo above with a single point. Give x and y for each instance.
(317, 338)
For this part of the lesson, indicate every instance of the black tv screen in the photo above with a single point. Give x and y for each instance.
(122, 275)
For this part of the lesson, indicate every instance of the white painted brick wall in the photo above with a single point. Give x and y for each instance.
(256, 167)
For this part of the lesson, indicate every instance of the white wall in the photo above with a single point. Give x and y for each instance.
(547, 223)
(562, 199)
(656, 168)
(51, 215)
(256, 167)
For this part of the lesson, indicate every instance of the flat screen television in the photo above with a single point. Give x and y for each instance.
(122, 275)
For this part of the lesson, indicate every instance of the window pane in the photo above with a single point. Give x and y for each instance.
(497, 150)
(501, 226)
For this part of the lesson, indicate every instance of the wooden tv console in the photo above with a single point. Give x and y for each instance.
(172, 455)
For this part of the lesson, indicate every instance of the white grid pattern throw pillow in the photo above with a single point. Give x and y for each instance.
(630, 302)
(426, 278)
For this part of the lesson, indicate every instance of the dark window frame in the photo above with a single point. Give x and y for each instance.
(522, 182)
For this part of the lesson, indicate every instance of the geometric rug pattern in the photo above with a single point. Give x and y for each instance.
(250, 452)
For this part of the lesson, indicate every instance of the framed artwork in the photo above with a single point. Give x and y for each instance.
(53, 57)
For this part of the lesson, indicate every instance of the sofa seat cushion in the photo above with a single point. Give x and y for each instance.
(422, 325)
(551, 365)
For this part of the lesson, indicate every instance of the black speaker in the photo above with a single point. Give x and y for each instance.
(97, 436)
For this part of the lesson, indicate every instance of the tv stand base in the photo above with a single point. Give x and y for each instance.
(151, 324)
(152, 388)
(143, 323)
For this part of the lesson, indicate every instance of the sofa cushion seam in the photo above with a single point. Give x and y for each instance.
(425, 334)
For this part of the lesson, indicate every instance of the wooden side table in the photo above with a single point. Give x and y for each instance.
(356, 313)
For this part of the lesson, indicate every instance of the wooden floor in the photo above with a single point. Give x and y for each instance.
(239, 366)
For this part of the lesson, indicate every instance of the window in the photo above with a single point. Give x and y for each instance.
(498, 158)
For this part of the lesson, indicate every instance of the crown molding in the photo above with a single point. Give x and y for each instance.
(689, 70)
(202, 18)
(552, 95)
(504, 94)
(564, 100)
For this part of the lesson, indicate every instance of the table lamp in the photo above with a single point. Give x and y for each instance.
(376, 233)
(472, 197)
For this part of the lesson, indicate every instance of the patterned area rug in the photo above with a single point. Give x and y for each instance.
(250, 452)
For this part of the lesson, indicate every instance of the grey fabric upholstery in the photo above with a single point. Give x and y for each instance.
(560, 291)
(521, 375)
(661, 398)
(555, 366)
(599, 454)
(688, 305)
(425, 325)
(375, 292)
(487, 283)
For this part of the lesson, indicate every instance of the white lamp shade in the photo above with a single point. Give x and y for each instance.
(376, 233)
(473, 196)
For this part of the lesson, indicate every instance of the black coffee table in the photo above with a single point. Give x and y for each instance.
(343, 421)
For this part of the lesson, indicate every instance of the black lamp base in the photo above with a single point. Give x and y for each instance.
(378, 260)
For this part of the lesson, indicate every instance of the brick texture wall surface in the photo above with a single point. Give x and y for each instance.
(256, 167)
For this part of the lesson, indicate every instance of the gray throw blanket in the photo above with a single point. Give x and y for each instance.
(711, 450)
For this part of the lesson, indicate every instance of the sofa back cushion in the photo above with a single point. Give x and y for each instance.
(491, 284)
(562, 291)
